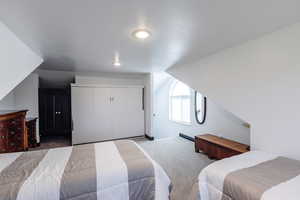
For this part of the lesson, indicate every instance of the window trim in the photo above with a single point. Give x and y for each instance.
(172, 87)
(181, 122)
(205, 109)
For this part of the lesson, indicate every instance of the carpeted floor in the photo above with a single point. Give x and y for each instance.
(52, 142)
(176, 155)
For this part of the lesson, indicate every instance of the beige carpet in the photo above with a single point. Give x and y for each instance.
(52, 142)
(177, 156)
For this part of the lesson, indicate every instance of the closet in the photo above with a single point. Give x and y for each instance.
(106, 112)
(55, 112)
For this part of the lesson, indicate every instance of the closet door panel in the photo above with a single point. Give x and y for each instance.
(46, 112)
(106, 113)
(62, 113)
(83, 114)
(128, 113)
(103, 115)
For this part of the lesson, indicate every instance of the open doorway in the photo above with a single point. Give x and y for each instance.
(55, 121)
(55, 116)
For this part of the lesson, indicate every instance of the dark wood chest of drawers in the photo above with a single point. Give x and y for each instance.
(13, 133)
(218, 148)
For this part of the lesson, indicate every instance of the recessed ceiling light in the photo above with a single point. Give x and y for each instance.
(141, 34)
(117, 62)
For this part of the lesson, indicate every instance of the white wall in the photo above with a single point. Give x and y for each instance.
(110, 79)
(8, 102)
(26, 97)
(55, 79)
(259, 81)
(218, 121)
(17, 61)
(62, 79)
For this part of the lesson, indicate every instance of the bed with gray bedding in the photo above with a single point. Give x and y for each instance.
(251, 176)
(108, 171)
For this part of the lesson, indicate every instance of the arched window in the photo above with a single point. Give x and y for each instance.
(180, 103)
(200, 107)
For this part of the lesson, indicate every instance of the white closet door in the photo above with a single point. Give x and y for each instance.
(101, 122)
(128, 113)
(82, 111)
(103, 113)
(91, 114)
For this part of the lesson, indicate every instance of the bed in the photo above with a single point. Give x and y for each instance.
(250, 176)
(108, 171)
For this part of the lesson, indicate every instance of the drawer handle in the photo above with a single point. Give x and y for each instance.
(12, 132)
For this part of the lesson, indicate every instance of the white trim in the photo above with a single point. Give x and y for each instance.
(180, 97)
(181, 122)
(106, 86)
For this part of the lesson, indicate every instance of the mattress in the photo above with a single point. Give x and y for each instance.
(250, 176)
(110, 171)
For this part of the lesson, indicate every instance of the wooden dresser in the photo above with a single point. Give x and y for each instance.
(218, 148)
(31, 132)
(13, 132)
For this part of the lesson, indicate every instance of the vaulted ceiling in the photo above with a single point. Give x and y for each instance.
(84, 35)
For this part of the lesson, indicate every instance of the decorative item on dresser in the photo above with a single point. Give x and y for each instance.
(218, 148)
(31, 132)
(13, 133)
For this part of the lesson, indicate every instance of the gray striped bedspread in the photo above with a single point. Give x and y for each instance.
(251, 176)
(118, 170)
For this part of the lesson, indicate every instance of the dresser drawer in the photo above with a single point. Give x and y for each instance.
(3, 149)
(15, 128)
(2, 125)
(3, 137)
(16, 138)
(16, 122)
(15, 145)
(18, 126)
(3, 142)
(15, 131)
(12, 132)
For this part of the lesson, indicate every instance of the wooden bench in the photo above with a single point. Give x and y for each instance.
(218, 148)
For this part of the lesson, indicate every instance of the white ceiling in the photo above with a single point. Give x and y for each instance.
(84, 35)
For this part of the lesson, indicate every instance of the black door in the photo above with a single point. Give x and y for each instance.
(62, 114)
(46, 112)
(55, 112)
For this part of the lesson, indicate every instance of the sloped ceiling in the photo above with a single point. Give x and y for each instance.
(84, 35)
(259, 82)
(17, 61)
